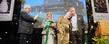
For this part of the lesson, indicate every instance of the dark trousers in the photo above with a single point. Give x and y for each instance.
(75, 37)
(25, 39)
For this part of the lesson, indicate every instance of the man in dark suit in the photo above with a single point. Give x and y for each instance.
(77, 27)
(26, 25)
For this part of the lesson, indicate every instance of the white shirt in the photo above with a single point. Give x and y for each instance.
(74, 23)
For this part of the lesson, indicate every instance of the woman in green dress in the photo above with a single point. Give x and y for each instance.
(48, 30)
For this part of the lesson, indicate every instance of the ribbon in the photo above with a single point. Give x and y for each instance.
(48, 29)
(47, 33)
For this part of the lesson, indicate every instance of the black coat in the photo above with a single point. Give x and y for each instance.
(25, 23)
(80, 23)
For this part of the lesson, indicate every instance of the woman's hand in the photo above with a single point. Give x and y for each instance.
(53, 25)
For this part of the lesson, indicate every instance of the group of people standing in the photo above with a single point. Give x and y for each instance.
(69, 27)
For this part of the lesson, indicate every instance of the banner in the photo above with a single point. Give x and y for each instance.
(6, 10)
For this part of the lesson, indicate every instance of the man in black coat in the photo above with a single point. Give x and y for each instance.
(76, 35)
(26, 25)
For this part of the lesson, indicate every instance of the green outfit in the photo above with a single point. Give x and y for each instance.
(48, 33)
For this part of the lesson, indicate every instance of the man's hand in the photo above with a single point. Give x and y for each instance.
(35, 17)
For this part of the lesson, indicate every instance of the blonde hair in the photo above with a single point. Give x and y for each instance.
(71, 8)
(49, 13)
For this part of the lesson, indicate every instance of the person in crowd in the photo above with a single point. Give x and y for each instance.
(64, 27)
(26, 25)
(76, 35)
(48, 35)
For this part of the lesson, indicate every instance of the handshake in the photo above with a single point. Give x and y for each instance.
(36, 17)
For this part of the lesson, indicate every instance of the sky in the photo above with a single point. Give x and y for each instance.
(83, 1)
(41, 2)
(34, 2)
